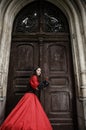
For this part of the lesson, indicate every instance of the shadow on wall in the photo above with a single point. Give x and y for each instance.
(2, 109)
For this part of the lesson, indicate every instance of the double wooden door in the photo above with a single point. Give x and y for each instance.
(54, 58)
(41, 38)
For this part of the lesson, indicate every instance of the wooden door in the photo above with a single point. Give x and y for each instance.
(41, 37)
(24, 57)
(58, 99)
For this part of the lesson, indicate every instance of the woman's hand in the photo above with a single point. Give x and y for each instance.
(37, 89)
(46, 83)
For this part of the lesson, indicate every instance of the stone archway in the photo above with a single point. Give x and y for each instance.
(76, 41)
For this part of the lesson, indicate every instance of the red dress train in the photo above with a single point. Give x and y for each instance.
(27, 115)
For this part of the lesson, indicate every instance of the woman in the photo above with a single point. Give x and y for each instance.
(28, 113)
(35, 85)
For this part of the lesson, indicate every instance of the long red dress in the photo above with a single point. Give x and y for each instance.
(28, 113)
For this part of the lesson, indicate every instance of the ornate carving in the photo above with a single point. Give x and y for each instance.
(52, 24)
(28, 24)
(49, 18)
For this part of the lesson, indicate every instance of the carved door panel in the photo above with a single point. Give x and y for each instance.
(58, 98)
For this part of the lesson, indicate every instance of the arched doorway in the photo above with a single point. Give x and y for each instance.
(41, 37)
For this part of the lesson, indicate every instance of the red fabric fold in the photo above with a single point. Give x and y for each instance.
(27, 115)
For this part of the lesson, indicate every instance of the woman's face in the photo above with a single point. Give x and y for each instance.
(38, 71)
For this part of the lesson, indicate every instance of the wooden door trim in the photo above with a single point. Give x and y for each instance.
(46, 37)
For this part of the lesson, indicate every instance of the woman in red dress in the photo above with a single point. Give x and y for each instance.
(28, 113)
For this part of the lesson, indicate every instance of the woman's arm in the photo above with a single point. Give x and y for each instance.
(34, 82)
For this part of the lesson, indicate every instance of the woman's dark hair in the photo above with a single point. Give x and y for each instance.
(34, 71)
